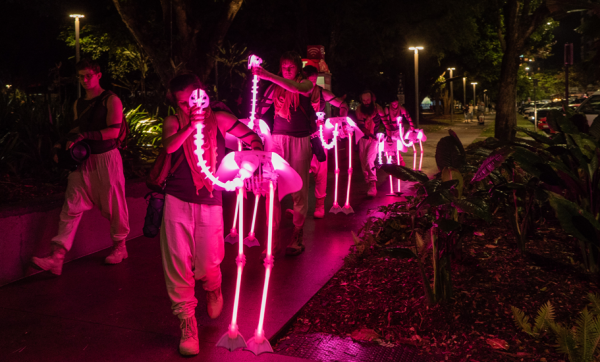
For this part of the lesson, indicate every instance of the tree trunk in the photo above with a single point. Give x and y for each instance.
(190, 52)
(506, 112)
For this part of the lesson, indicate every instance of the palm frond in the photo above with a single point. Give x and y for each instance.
(595, 303)
(521, 320)
(544, 318)
(565, 342)
(583, 335)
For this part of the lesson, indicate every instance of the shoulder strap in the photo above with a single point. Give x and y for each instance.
(177, 163)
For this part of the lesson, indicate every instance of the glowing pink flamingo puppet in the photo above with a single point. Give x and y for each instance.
(403, 142)
(262, 130)
(411, 138)
(262, 172)
(342, 127)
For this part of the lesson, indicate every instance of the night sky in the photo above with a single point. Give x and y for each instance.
(29, 31)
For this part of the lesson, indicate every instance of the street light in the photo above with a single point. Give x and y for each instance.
(464, 91)
(451, 97)
(474, 95)
(416, 49)
(77, 16)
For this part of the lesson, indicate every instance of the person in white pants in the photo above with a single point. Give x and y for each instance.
(191, 235)
(370, 117)
(294, 122)
(318, 97)
(97, 181)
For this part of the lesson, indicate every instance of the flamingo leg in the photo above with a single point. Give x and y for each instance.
(259, 344)
(336, 207)
(347, 209)
(250, 240)
(232, 339)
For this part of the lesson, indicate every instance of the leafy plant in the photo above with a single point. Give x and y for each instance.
(580, 343)
(439, 211)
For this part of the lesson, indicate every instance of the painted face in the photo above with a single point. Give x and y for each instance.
(88, 78)
(313, 79)
(394, 104)
(183, 97)
(366, 99)
(289, 69)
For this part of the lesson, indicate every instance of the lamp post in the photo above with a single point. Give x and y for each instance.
(77, 16)
(464, 91)
(451, 97)
(416, 49)
(474, 95)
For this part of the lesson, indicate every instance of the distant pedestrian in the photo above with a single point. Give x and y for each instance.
(465, 109)
(471, 110)
(370, 116)
(480, 113)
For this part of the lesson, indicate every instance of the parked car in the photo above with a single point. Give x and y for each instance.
(543, 125)
(590, 107)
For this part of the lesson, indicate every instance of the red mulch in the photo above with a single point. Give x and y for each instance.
(386, 295)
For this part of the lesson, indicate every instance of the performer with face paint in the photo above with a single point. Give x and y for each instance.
(295, 121)
(370, 116)
(319, 97)
(191, 235)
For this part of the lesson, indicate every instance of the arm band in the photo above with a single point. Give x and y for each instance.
(234, 125)
(116, 125)
(247, 134)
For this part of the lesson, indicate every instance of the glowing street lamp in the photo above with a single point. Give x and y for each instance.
(474, 95)
(77, 16)
(464, 91)
(416, 49)
(451, 96)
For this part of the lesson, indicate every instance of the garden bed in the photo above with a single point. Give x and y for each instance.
(381, 298)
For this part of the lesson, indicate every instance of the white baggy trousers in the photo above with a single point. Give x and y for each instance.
(367, 151)
(192, 248)
(98, 181)
(297, 151)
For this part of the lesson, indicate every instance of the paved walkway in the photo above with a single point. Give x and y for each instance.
(95, 312)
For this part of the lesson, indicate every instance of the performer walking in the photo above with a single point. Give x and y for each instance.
(191, 235)
(99, 180)
(295, 121)
(318, 97)
(369, 115)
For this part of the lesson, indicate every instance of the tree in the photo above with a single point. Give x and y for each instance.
(517, 22)
(186, 34)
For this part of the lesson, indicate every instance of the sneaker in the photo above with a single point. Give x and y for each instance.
(214, 303)
(188, 344)
(372, 189)
(54, 262)
(297, 246)
(319, 208)
(118, 253)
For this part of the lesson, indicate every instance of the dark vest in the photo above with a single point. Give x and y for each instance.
(94, 119)
(299, 123)
(181, 185)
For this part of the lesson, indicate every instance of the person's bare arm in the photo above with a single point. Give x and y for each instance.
(173, 137)
(332, 99)
(304, 86)
(114, 117)
(228, 123)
